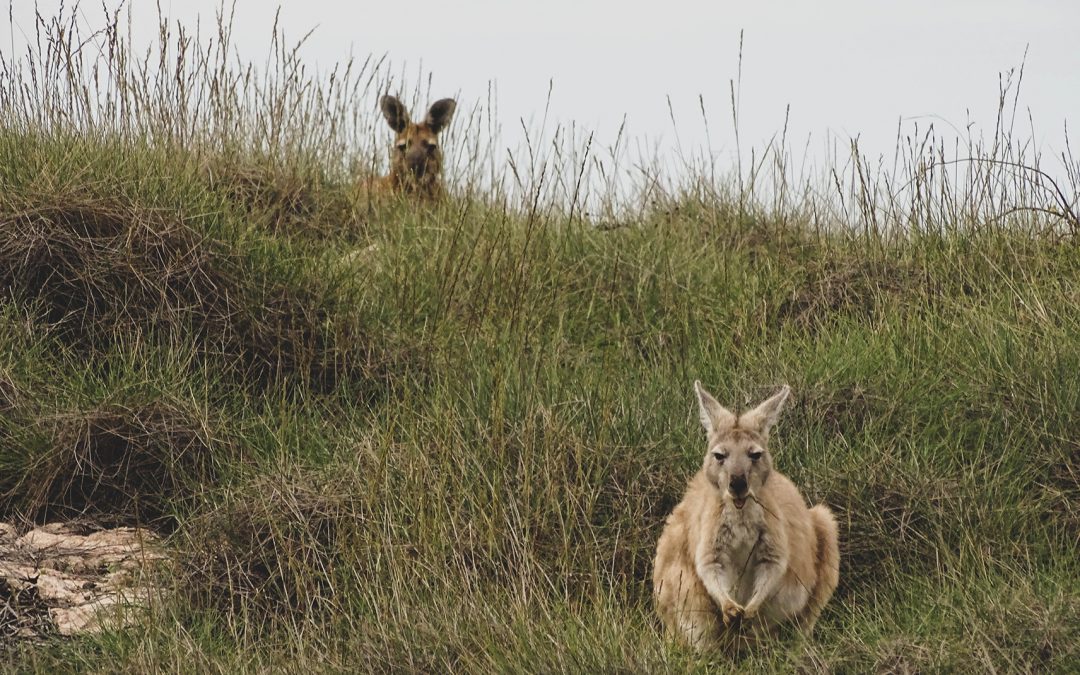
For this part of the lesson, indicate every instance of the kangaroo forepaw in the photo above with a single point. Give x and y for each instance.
(733, 614)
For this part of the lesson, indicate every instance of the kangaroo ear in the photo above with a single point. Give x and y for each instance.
(395, 113)
(763, 417)
(440, 113)
(714, 416)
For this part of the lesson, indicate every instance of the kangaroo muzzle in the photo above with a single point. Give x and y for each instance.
(417, 163)
(738, 489)
(738, 485)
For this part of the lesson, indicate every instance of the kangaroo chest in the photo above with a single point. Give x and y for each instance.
(739, 534)
(738, 541)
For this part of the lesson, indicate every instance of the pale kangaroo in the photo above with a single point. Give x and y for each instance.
(742, 547)
(416, 160)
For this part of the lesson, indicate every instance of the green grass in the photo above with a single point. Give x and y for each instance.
(457, 450)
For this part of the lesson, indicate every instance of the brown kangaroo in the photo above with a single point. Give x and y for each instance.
(742, 547)
(416, 161)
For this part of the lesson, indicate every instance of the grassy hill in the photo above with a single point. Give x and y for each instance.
(400, 437)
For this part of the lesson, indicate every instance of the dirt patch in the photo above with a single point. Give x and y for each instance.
(66, 578)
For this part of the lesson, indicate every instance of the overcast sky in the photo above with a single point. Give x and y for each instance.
(845, 67)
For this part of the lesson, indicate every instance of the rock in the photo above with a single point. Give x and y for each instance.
(81, 579)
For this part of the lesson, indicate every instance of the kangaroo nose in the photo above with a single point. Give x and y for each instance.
(738, 484)
(418, 164)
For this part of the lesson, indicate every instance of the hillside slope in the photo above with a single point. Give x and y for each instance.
(433, 438)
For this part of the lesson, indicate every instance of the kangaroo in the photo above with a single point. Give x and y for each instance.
(416, 161)
(742, 547)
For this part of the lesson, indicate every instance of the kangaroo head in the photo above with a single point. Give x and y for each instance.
(737, 461)
(415, 158)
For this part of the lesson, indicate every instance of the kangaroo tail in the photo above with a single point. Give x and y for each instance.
(828, 564)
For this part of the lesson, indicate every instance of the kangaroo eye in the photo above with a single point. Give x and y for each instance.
(755, 456)
(401, 146)
(431, 146)
(719, 457)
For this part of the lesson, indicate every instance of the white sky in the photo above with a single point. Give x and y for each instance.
(846, 67)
